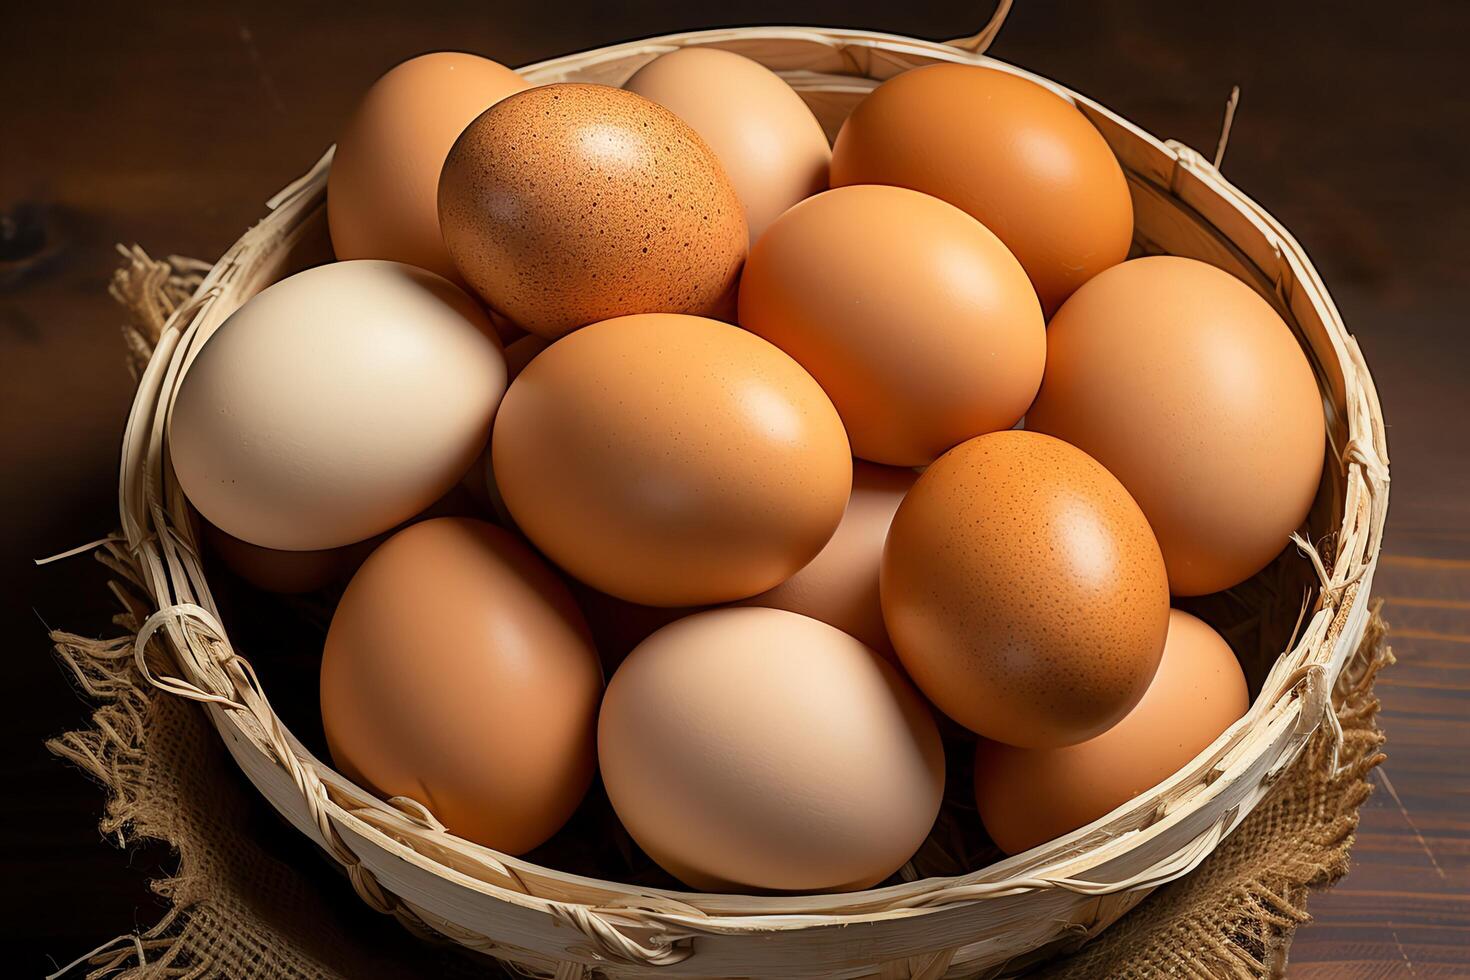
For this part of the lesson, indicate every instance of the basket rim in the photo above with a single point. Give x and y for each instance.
(150, 509)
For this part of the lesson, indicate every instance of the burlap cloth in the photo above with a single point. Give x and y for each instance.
(252, 899)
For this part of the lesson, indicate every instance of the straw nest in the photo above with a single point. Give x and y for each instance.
(954, 910)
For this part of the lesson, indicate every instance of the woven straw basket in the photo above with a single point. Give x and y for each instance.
(1295, 626)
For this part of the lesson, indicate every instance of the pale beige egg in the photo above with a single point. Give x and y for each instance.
(753, 750)
(335, 405)
(840, 585)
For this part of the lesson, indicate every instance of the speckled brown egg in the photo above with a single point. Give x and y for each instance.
(570, 203)
(1024, 591)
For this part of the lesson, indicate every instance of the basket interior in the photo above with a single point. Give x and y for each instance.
(282, 635)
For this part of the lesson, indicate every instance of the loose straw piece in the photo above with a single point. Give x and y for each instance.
(1230, 105)
(81, 549)
(979, 43)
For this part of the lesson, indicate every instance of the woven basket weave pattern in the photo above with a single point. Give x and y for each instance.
(402, 861)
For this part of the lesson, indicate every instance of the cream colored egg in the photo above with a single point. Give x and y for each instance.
(335, 405)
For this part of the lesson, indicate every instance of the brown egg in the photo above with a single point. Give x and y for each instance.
(915, 319)
(383, 189)
(1012, 153)
(1193, 392)
(671, 460)
(1029, 796)
(569, 203)
(840, 585)
(458, 672)
(769, 142)
(1024, 591)
(759, 750)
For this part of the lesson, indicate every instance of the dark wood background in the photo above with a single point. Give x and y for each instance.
(168, 124)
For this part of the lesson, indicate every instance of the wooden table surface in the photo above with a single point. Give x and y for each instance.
(169, 124)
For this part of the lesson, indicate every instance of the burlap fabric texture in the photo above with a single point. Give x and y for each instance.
(253, 899)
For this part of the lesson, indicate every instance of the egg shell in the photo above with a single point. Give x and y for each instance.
(335, 405)
(840, 585)
(671, 460)
(1012, 153)
(1024, 591)
(383, 188)
(767, 140)
(759, 750)
(918, 322)
(1193, 392)
(459, 672)
(569, 203)
(1029, 796)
